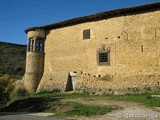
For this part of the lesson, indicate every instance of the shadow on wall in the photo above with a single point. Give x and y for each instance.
(69, 85)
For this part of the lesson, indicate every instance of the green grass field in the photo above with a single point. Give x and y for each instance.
(53, 102)
(144, 99)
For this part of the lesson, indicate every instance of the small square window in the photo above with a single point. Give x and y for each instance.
(86, 34)
(103, 57)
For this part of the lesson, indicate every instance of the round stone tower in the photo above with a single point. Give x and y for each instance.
(34, 59)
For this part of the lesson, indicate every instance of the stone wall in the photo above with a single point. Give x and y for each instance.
(134, 44)
(120, 85)
(34, 62)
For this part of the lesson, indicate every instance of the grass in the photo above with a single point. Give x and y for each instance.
(78, 109)
(62, 95)
(52, 102)
(144, 99)
(18, 93)
(57, 106)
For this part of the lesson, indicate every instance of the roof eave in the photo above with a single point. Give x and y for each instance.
(100, 16)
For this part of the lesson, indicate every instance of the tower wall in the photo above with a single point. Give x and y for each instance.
(34, 59)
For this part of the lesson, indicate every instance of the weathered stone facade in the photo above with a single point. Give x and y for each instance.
(131, 41)
(34, 61)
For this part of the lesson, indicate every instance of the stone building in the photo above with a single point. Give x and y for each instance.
(107, 52)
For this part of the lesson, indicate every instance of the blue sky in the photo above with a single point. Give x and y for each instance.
(17, 15)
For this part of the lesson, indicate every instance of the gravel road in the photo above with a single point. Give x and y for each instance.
(25, 116)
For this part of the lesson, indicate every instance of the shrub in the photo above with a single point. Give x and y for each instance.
(133, 89)
(18, 93)
(147, 89)
(6, 86)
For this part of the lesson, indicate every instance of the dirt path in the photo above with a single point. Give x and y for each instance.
(130, 111)
(25, 116)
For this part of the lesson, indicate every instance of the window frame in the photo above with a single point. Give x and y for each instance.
(86, 34)
(101, 57)
(39, 45)
(31, 45)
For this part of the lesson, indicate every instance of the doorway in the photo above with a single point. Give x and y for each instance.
(71, 81)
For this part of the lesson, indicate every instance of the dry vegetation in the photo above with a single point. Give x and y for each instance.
(12, 58)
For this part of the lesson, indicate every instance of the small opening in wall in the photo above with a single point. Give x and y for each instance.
(86, 34)
(99, 76)
(88, 74)
(31, 44)
(74, 71)
(50, 78)
(106, 38)
(81, 72)
(118, 36)
(103, 57)
(141, 48)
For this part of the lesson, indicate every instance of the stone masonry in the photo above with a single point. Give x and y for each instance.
(132, 40)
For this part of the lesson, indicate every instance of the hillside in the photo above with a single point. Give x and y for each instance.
(12, 58)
